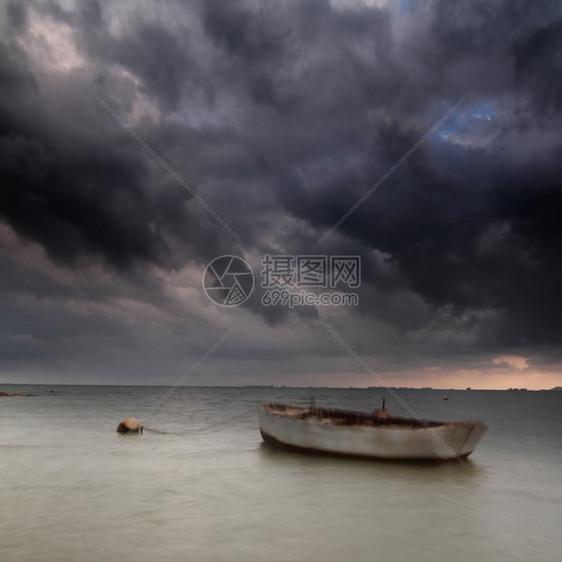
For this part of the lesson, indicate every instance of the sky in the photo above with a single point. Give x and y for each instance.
(140, 141)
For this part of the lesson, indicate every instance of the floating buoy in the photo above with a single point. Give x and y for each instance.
(130, 425)
(445, 397)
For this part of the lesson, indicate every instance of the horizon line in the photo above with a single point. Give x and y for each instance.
(275, 386)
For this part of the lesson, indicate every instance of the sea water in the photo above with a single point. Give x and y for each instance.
(205, 487)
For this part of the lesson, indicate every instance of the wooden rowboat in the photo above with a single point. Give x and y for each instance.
(368, 435)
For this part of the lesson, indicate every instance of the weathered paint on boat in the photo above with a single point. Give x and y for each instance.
(377, 435)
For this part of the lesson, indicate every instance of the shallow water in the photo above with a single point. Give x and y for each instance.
(209, 489)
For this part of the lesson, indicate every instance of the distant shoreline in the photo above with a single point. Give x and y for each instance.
(278, 387)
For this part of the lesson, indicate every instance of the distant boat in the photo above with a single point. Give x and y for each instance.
(377, 435)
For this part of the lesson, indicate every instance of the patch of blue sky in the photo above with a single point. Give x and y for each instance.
(468, 115)
(471, 127)
(406, 7)
(194, 121)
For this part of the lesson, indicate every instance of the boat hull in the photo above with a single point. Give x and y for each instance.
(317, 434)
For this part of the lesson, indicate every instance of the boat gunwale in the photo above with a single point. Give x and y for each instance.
(342, 418)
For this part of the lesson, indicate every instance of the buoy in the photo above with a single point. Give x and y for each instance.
(130, 425)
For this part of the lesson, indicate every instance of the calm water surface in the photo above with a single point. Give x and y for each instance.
(209, 489)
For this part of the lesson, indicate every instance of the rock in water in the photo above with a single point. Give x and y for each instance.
(130, 425)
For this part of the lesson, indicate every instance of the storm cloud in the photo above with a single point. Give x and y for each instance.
(280, 116)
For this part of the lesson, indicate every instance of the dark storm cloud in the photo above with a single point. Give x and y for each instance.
(538, 61)
(66, 199)
(281, 115)
(486, 244)
(76, 181)
(461, 241)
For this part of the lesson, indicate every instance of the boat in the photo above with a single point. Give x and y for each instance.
(375, 435)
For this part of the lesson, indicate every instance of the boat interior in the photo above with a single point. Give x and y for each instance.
(347, 417)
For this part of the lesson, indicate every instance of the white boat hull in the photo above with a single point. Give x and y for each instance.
(319, 435)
